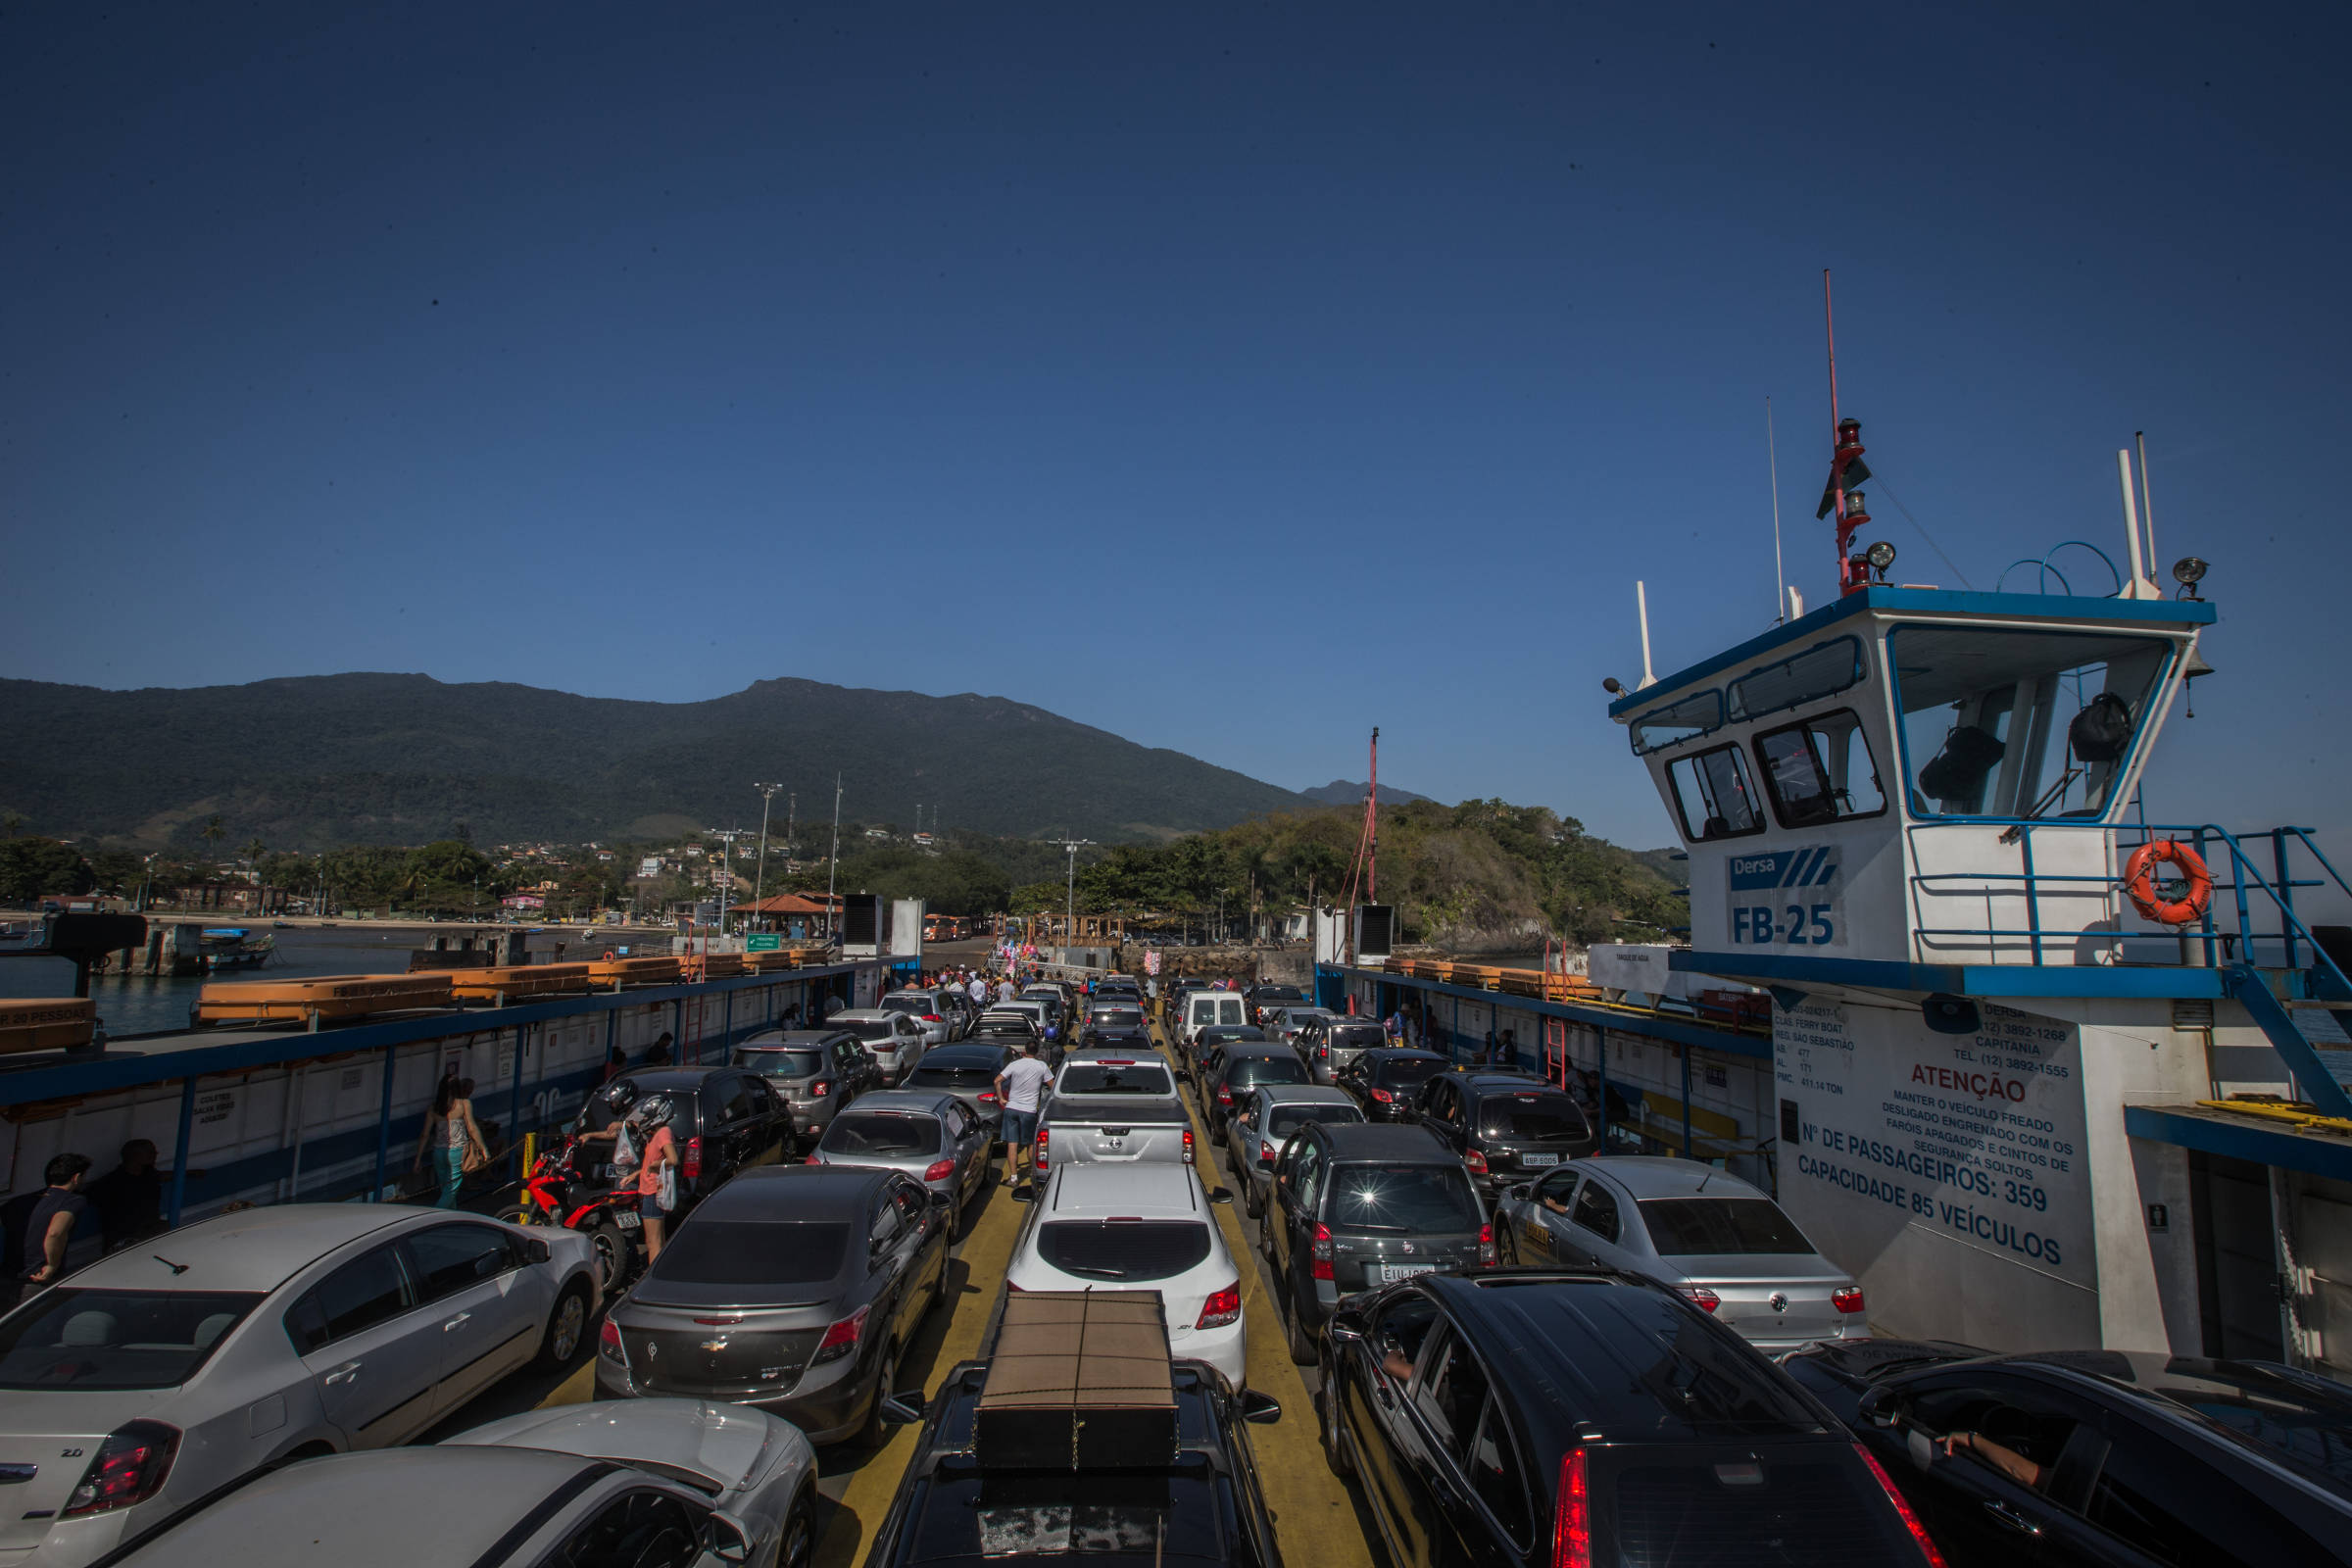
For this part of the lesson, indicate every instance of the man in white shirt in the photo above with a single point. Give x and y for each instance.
(1021, 1089)
(977, 989)
(1005, 991)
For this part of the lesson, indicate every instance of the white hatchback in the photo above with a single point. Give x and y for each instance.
(1140, 1227)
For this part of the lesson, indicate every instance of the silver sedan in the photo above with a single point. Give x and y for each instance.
(494, 1507)
(755, 1468)
(1725, 1246)
(926, 1134)
(149, 1379)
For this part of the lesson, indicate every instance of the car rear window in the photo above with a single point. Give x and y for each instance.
(1354, 1036)
(1269, 996)
(1534, 1118)
(719, 1251)
(883, 1133)
(1406, 1073)
(1743, 1510)
(1107, 1078)
(1684, 1227)
(869, 1028)
(1288, 1117)
(781, 1063)
(1403, 1198)
(1123, 1250)
(1252, 1071)
(917, 1005)
(953, 1077)
(117, 1338)
(1118, 1017)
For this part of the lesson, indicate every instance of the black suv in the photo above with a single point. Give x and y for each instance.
(1230, 1071)
(1508, 1127)
(725, 1119)
(2099, 1456)
(1385, 1081)
(1589, 1418)
(1352, 1206)
(1207, 1507)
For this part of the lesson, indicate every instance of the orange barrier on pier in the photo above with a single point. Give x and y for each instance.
(784, 958)
(634, 972)
(334, 996)
(47, 1023)
(509, 981)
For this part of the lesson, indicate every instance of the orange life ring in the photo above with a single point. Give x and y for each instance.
(2140, 882)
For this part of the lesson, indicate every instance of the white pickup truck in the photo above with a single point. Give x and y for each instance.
(1114, 1110)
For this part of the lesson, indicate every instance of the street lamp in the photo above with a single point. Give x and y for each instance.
(767, 795)
(1069, 917)
(727, 837)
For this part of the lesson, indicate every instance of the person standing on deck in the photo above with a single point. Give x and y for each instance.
(1020, 1088)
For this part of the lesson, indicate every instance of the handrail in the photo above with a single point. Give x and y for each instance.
(2242, 870)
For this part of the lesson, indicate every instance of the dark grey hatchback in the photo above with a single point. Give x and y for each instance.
(793, 1288)
(1357, 1205)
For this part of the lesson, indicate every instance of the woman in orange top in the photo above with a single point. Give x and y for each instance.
(660, 1153)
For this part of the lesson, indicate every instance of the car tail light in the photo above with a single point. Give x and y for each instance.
(1043, 1138)
(607, 1341)
(814, 1158)
(840, 1339)
(691, 1168)
(1849, 1299)
(1700, 1296)
(1919, 1534)
(931, 1018)
(820, 1088)
(1188, 1145)
(1476, 1162)
(1318, 1253)
(1221, 1308)
(1266, 1154)
(988, 1096)
(1225, 1097)
(130, 1468)
(1571, 1515)
(1486, 1245)
(1384, 1097)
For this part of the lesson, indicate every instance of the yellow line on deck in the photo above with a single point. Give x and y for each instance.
(1315, 1520)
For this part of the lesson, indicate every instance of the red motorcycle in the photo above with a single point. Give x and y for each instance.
(557, 1192)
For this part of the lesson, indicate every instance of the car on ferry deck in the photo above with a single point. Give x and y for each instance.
(927, 1135)
(824, 1274)
(1254, 1137)
(1353, 1208)
(1723, 1244)
(1385, 1081)
(1232, 1071)
(928, 1008)
(2143, 1456)
(142, 1383)
(815, 1071)
(969, 1071)
(1145, 1226)
(1329, 1044)
(1508, 1126)
(1553, 1419)
(725, 1119)
(894, 1039)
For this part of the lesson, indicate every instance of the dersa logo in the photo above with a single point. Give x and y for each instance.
(1787, 897)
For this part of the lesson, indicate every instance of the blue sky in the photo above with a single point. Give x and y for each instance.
(1232, 378)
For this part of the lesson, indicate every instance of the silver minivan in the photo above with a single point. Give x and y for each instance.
(895, 1040)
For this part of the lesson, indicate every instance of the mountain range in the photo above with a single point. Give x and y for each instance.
(317, 761)
(1338, 792)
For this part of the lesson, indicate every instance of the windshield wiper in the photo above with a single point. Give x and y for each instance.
(1094, 1273)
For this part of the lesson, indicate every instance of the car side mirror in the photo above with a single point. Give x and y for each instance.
(1345, 1324)
(1877, 1407)
(903, 1409)
(1260, 1408)
(1518, 1193)
(730, 1538)
(1220, 1195)
(537, 1250)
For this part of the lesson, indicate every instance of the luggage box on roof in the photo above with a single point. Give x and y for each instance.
(1079, 1381)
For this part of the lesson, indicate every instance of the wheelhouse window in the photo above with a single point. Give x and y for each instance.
(1820, 770)
(2020, 723)
(1714, 795)
(1678, 721)
(1817, 672)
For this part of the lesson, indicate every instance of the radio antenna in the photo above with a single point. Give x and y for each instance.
(1780, 576)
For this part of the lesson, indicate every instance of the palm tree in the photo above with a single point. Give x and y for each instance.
(255, 849)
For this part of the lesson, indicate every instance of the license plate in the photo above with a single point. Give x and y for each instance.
(628, 1219)
(1539, 1160)
(1391, 1273)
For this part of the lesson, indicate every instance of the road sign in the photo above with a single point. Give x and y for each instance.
(764, 942)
